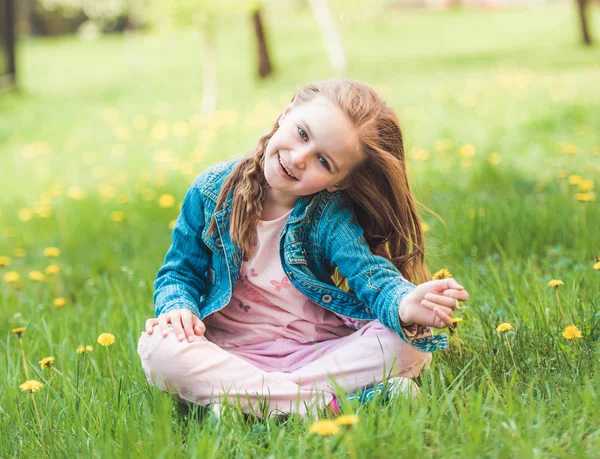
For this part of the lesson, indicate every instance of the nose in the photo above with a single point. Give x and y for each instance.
(299, 156)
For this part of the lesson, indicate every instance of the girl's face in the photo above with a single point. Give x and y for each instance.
(314, 148)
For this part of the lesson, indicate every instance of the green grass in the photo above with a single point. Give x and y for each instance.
(516, 83)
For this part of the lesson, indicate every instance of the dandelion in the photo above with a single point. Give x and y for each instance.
(19, 253)
(117, 216)
(442, 274)
(347, 420)
(106, 340)
(503, 328)
(52, 269)
(59, 302)
(585, 197)
(37, 276)
(597, 265)
(18, 331)
(425, 227)
(12, 277)
(25, 214)
(84, 349)
(166, 200)
(4, 261)
(556, 283)
(456, 320)
(571, 332)
(46, 362)
(324, 428)
(51, 251)
(575, 179)
(31, 385)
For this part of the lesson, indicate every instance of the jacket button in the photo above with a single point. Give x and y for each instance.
(326, 298)
(368, 310)
(219, 242)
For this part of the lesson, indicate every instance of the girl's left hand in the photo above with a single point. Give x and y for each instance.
(432, 303)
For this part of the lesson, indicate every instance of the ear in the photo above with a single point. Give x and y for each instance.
(285, 111)
(339, 186)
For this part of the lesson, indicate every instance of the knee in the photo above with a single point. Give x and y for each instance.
(160, 358)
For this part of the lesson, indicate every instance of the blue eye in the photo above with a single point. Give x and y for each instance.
(324, 162)
(303, 134)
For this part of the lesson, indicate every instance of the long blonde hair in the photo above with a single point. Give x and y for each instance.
(379, 189)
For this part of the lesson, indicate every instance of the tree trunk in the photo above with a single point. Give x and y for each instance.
(209, 84)
(264, 63)
(333, 43)
(582, 6)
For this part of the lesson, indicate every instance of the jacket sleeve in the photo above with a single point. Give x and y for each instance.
(181, 281)
(375, 280)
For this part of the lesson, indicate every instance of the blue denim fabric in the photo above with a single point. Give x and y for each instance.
(201, 269)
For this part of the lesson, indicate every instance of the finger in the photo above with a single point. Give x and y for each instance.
(163, 321)
(199, 327)
(433, 306)
(446, 284)
(445, 318)
(441, 300)
(188, 327)
(150, 323)
(177, 325)
(460, 295)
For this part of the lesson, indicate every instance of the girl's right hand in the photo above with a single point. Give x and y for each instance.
(185, 323)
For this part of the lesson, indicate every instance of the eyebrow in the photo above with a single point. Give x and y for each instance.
(323, 153)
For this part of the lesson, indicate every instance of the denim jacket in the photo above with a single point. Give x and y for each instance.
(322, 233)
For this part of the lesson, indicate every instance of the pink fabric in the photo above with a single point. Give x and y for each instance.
(272, 342)
(201, 372)
(266, 307)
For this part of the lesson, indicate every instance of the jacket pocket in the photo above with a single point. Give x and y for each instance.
(295, 254)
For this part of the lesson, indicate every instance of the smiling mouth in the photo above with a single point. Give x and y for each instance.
(285, 169)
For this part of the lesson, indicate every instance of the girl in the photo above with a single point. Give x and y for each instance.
(291, 272)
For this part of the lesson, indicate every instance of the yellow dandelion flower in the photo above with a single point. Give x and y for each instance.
(597, 265)
(18, 331)
(467, 151)
(25, 214)
(575, 179)
(32, 386)
(442, 274)
(172, 224)
(456, 320)
(59, 302)
(561, 173)
(585, 197)
(346, 420)
(37, 276)
(82, 349)
(52, 269)
(504, 327)
(19, 253)
(106, 339)
(51, 251)
(117, 216)
(571, 332)
(324, 428)
(586, 185)
(46, 362)
(12, 277)
(555, 283)
(4, 261)
(425, 227)
(76, 192)
(166, 200)
(494, 159)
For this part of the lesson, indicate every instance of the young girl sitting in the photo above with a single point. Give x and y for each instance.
(291, 272)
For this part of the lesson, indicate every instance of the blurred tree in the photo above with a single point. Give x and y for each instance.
(585, 33)
(7, 44)
(264, 62)
(202, 15)
(333, 42)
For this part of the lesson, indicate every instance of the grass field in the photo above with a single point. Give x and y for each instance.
(501, 115)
